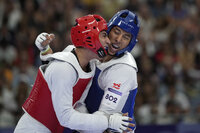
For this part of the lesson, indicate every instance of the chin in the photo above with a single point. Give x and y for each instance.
(111, 53)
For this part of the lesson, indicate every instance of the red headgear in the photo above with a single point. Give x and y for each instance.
(86, 33)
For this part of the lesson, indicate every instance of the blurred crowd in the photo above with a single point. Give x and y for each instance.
(167, 53)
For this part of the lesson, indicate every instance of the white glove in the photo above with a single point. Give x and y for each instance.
(41, 38)
(118, 122)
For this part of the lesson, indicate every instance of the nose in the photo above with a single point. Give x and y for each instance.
(118, 38)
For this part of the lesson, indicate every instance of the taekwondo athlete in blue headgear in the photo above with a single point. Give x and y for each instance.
(114, 85)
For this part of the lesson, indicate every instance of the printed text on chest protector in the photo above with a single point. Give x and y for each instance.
(111, 98)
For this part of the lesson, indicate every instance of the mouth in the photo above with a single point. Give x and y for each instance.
(115, 46)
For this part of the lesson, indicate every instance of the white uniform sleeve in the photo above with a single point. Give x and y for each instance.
(117, 81)
(61, 77)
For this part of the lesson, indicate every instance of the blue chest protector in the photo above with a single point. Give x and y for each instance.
(95, 95)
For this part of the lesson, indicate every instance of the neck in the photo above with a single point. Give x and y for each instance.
(84, 56)
(107, 58)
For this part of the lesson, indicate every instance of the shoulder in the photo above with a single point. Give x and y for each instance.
(69, 48)
(119, 73)
(126, 60)
(60, 69)
(129, 60)
(121, 70)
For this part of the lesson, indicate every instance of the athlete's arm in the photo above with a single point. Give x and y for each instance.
(61, 77)
(120, 87)
(117, 83)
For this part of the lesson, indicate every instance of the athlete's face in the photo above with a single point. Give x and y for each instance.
(119, 40)
(103, 38)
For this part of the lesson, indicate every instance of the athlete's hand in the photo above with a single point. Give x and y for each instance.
(129, 126)
(43, 40)
(120, 122)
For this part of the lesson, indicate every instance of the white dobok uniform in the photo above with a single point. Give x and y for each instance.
(57, 89)
(113, 88)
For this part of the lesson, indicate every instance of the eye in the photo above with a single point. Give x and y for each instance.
(104, 34)
(127, 37)
(117, 31)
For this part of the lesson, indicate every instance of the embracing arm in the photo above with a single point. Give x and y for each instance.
(118, 83)
(61, 77)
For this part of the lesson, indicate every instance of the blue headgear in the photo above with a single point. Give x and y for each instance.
(128, 21)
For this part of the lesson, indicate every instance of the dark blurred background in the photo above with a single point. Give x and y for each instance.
(167, 55)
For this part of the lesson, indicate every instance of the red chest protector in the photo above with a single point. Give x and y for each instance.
(39, 104)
